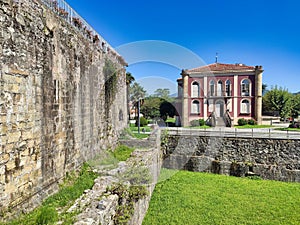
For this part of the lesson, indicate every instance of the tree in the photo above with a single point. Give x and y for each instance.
(295, 111)
(129, 80)
(150, 107)
(167, 109)
(278, 99)
(264, 89)
(162, 93)
(137, 93)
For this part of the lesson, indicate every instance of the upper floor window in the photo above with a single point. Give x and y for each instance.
(245, 106)
(212, 88)
(245, 87)
(195, 108)
(228, 88)
(195, 89)
(219, 88)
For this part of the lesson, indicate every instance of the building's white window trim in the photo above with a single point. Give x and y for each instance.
(212, 88)
(228, 88)
(195, 89)
(210, 105)
(246, 87)
(219, 88)
(245, 106)
(195, 107)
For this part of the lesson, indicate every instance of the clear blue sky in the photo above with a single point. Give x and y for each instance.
(253, 32)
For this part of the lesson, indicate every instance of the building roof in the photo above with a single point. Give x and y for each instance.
(221, 67)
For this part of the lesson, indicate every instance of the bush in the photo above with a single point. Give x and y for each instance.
(294, 125)
(47, 215)
(242, 122)
(201, 122)
(195, 123)
(252, 122)
(143, 122)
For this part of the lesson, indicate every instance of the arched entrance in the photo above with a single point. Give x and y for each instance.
(219, 108)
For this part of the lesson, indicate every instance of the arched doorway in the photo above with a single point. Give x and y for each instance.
(219, 108)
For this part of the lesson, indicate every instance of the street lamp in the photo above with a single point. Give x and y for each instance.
(139, 115)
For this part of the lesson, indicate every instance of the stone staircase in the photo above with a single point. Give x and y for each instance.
(220, 122)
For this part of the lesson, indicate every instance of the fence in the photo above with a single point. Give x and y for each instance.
(65, 11)
(234, 132)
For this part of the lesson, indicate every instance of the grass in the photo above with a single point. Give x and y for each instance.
(199, 198)
(170, 120)
(146, 128)
(288, 129)
(140, 135)
(71, 189)
(200, 127)
(122, 152)
(253, 126)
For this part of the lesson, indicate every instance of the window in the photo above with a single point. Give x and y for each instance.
(245, 87)
(195, 89)
(195, 107)
(210, 105)
(219, 88)
(228, 88)
(212, 88)
(245, 106)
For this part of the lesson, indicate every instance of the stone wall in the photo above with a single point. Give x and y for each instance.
(62, 100)
(275, 159)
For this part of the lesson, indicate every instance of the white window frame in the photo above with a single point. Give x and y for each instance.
(244, 93)
(244, 107)
(195, 93)
(228, 90)
(193, 105)
(219, 88)
(212, 90)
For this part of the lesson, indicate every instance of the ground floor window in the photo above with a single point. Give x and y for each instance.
(195, 109)
(245, 106)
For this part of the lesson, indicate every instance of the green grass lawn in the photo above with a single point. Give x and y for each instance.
(197, 198)
(253, 126)
(200, 127)
(288, 129)
(146, 128)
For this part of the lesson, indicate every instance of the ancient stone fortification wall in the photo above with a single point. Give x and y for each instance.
(269, 158)
(62, 100)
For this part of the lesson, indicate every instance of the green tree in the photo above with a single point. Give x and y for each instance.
(129, 80)
(278, 99)
(162, 93)
(137, 93)
(150, 107)
(166, 109)
(295, 112)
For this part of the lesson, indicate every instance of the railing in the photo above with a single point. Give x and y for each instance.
(234, 133)
(227, 119)
(211, 120)
(65, 11)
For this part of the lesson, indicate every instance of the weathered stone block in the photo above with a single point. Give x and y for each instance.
(13, 137)
(4, 158)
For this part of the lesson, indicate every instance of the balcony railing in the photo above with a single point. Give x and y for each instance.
(65, 11)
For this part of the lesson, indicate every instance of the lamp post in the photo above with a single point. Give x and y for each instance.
(139, 115)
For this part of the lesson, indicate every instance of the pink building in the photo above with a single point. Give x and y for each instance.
(221, 93)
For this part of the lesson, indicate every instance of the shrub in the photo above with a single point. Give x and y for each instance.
(195, 123)
(252, 122)
(47, 215)
(242, 122)
(201, 122)
(143, 122)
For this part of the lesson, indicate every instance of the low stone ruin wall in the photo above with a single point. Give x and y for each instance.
(274, 159)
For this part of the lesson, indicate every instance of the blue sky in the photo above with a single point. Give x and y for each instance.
(252, 32)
